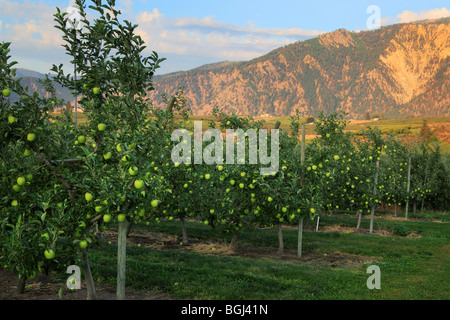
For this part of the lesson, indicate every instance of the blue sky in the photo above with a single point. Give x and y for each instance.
(195, 32)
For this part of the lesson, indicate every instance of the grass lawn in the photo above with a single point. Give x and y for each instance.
(334, 264)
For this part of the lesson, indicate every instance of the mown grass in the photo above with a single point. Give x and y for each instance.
(411, 268)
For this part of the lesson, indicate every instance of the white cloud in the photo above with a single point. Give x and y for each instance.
(410, 16)
(210, 38)
(31, 28)
(146, 17)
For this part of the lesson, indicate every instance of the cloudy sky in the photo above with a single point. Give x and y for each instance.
(190, 33)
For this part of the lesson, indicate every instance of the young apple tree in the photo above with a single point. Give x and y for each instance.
(120, 141)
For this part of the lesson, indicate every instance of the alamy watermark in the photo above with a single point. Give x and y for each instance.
(374, 281)
(374, 20)
(74, 17)
(74, 281)
(213, 153)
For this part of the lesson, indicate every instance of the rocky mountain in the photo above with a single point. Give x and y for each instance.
(31, 79)
(397, 71)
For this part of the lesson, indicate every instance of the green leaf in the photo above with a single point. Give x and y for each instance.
(60, 292)
(86, 151)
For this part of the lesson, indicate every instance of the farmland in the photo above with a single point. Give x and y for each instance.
(410, 126)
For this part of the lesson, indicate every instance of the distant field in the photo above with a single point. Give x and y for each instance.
(439, 125)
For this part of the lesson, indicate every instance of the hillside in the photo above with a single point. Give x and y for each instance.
(31, 79)
(399, 70)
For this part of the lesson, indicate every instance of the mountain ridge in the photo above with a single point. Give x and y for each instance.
(397, 70)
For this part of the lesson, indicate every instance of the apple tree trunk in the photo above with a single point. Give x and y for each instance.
(235, 238)
(358, 225)
(20, 289)
(280, 239)
(90, 286)
(184, 231)
(300, 237)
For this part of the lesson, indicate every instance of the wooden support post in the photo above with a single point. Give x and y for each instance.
(121, 259)
(408, 188)
(300, 223)
(372, 212)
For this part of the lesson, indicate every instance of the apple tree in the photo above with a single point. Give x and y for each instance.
(121, 142)
(38, 210)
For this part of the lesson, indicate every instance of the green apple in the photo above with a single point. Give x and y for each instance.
(232, 182)
(21, 181)
(88, 196)
(139, 184)
(313, 210)
(133, 170)
(96, 90)
(269, 199)
(242, 174)
(336, 158)
(17, 188)
(6, 92)
(284, 209)
(241, 185)
(121, 217)
(27, 153)
(31, 137)
(228, 123)
(107, 156)
(12, 119)
(83, 244)
(14, 203)
(107, 218)
(119, 148)
(29, 177)
(49, 254)
(101, 127)
(207, 176)
(154, 203)
(82, 139)
(98, 209)
(31, 276)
